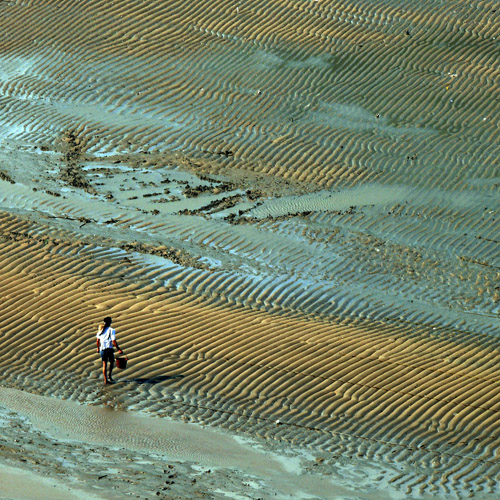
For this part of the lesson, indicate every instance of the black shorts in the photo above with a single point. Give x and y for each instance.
(108, 355)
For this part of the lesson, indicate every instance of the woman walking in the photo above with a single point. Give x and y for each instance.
(106, 340)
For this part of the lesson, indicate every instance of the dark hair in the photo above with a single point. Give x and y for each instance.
(107, 321)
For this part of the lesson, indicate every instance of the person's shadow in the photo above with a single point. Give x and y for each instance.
(155, 380)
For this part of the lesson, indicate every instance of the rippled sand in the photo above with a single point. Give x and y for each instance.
(290, 209)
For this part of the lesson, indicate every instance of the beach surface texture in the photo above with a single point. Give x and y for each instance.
(291, 211)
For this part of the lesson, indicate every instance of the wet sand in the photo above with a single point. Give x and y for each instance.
(21, 484)
(291, 211)
(101, 452)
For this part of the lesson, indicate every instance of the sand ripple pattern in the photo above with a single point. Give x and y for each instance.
(420, 398)
(338, 267)
(331, 94)
(339, 97)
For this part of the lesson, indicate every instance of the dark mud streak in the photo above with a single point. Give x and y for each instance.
(73, 147)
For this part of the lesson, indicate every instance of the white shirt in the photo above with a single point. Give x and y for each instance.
(106, 338)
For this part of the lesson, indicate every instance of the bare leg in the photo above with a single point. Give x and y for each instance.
(111, 366)
(104, 366)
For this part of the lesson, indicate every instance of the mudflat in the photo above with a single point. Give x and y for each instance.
(291, 211)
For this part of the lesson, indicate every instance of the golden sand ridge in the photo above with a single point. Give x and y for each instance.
(395, 393)
(289, 208)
